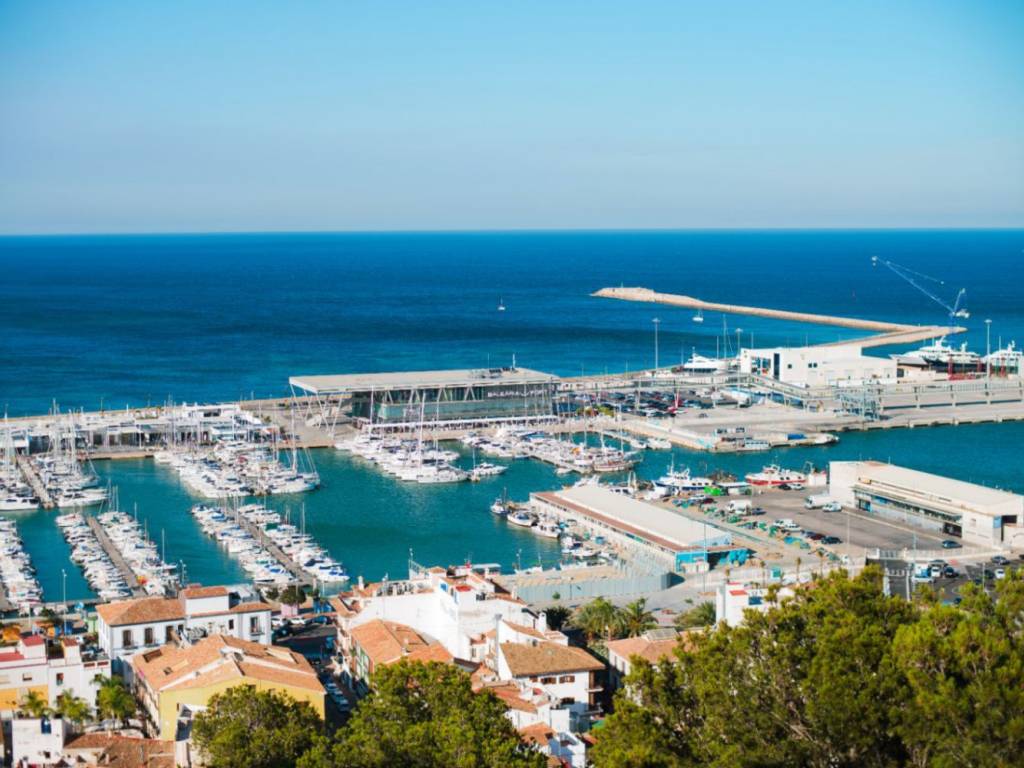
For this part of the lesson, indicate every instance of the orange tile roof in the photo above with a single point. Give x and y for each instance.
(123, 751)
(511, 696)
(538, 734)
(547, 658)
(433, 652)
(219, 658)
(525, 630)
(199, 591)
(651, 650)
(386, 641)
(143, 611)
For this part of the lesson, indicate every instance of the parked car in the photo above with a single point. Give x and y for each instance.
(831, 540)
(950, 544)
(950, 572)
(1000, 560)
(833, 506)
(796, 486)
(1000, 573)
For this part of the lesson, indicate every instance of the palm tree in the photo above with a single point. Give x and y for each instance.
(635, 619)
(596, 618)
(34, 705)
(73, 708)
(702, 615)
(114, 700)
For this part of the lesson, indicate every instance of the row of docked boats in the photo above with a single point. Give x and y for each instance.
(140, 553)
(548, 527)
(415, 462)
(236, 468)
(941, 355)
(88, 554)
(566, 455)
(17, 574)
(239, 533)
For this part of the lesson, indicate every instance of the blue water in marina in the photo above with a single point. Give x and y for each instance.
(134, 319)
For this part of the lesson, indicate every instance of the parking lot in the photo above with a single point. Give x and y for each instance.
(837, 533)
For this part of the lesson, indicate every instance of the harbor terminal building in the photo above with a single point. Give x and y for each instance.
(981, 516)
(464, 398)
(817, 366)
(648, 532)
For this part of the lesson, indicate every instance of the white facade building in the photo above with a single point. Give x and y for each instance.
(130, 626)
(37, 741)
(823, 365)
(982, 516)
(34, 666)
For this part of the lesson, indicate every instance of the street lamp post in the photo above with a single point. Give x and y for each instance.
(988, 348)
(657, 322)
(64, 598)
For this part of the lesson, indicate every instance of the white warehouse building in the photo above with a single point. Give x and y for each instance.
(979, 515)
(816, 366)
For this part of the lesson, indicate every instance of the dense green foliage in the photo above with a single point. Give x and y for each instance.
(839, 675)
(702, 615)
(246, 728)
(425, 716)
(602, 621)
(114, 700)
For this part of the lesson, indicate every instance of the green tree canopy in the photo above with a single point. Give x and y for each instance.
(634, 619)
(246, 728)
(114, 700)
(34, 704)
(72, 708)
(425, 716)
(598, 618)
(702, 615)
(557, 616)
(837, 676)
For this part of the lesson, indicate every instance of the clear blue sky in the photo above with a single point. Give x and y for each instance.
(212, 116)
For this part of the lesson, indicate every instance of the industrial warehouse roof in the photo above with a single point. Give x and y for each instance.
(656, 524)
(360, 382)
(955, 495)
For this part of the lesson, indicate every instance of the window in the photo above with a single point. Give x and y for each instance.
(147, 636)
(231, 623)
(126, 638)
(26, 677)
(168, 634)
(567, 679)
(254, 625)
(548, 680)
(60, 678)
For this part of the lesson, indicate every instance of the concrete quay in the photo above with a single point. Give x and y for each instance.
(888, 333)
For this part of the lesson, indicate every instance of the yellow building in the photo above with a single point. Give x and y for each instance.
(172, 676)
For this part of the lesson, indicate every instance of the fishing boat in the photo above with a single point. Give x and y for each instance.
(699, 317)
(773, 475)
(547, 528)
(521, 518)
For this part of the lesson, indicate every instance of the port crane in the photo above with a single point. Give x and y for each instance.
(955, 309)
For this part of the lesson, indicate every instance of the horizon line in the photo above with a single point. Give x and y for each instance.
(505, 230)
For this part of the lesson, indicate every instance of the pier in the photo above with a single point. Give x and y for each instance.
(115, 556)
(33, 479)
(299, 576)
(886, 332)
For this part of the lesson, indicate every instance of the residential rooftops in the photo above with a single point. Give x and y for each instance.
(546, 658)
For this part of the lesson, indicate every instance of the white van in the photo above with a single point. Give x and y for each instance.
(787, 525)
(739, 506)
(817, 501)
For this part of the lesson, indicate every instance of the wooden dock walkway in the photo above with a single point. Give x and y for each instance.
(888, 333)
(33, 479)
(300, 576)
(115, 556)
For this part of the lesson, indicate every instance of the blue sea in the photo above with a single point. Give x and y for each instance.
(113, 321)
